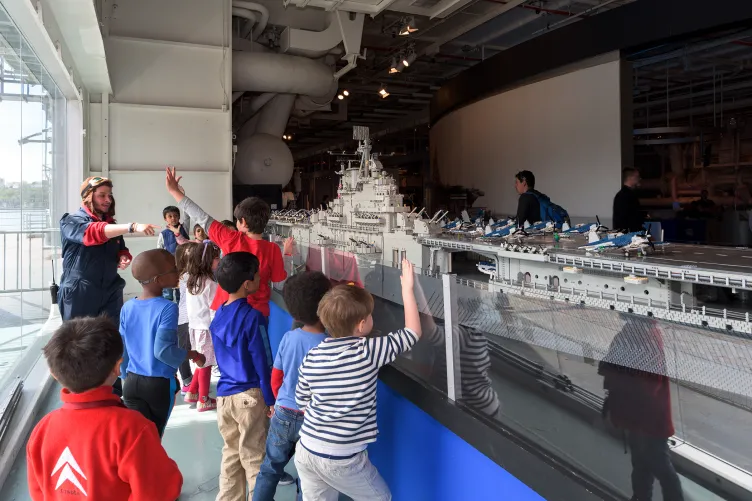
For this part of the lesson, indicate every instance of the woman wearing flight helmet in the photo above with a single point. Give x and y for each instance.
(93, 251)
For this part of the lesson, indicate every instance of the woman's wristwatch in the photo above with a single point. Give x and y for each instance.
(132, 228)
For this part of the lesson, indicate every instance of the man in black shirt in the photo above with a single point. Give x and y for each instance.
(528, 207)
(627, 212)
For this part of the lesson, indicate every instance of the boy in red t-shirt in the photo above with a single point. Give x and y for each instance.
(252, 214)
(93, 447)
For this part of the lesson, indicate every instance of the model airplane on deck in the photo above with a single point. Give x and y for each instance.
(638, 241)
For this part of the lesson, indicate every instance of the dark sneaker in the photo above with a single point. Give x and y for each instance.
(286, 479)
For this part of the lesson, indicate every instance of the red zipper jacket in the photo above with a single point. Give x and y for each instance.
(93, 449)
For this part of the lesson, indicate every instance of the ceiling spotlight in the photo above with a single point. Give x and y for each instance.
(345, 92)
(284, 137)
(383, 92)
(340, 97)
(408, 26)
(409, 59)
(394, 68)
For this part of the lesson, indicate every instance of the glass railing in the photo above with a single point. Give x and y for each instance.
(28, 261)
(623, 400)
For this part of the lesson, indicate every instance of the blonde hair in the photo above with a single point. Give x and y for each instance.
(343, 308)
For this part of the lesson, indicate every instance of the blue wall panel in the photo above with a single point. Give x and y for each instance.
(420, 459)
(279, 322)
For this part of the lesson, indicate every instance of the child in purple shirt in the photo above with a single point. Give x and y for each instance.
(302, 294)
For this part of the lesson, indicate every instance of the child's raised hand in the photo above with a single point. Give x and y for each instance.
(289, 246)
(172, 182)
(408, 278)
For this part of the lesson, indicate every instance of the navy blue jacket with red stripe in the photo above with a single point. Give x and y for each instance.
(90, 284)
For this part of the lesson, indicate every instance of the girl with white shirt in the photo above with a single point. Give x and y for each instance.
(201, 287)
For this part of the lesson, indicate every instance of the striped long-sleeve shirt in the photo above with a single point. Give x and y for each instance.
(337, 390)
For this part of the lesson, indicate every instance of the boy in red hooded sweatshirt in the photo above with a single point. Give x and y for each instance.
(94, 448)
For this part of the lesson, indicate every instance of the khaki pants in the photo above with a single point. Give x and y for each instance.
(243, 425)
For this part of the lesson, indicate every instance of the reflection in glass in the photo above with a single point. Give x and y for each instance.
(33, 153)
(639, 402)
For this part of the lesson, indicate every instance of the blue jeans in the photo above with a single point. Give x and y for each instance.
(284, 432)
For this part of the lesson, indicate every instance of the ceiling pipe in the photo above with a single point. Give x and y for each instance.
(522, 21)
(579, 15)
(461, 30)
(280, 73)
(249, 16)
(261, 9)
(684, 97)
(275, 114)
(685, 51)
(538, 10)
(707, 109)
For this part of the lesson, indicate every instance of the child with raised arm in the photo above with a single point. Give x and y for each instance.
(341, 373)
(251, 214)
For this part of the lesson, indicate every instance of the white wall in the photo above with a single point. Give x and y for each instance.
(189, 21)
(170, 66)
(150, 138)
(163, 73)
(565, 129)
(141, 196)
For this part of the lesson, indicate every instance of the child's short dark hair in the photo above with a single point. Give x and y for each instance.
(343, 308)
(234, 269)
(170, 209)
(255, 212)
(302, 294)
(83, 352)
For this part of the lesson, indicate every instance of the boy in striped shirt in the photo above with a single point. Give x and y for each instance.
(337, 390)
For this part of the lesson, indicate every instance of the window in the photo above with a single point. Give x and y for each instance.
(33, 153)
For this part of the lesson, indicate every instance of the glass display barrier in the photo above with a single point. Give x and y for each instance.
(624, 400)
(427, 359)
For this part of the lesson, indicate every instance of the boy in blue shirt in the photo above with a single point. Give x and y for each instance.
(149, 328)
(244, 392)
(173, 235)
(302, 294)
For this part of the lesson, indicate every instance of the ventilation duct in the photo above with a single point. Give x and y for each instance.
(342, 28)
(280, 73)
(286, 81)
(257, 7)
(263, 157)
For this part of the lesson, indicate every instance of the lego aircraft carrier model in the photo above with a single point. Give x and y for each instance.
(367, 218)
(583, 264)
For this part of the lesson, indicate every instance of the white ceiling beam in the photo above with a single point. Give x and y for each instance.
(31, 27)
(79, 27)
